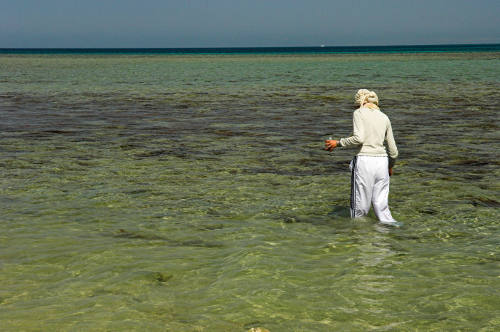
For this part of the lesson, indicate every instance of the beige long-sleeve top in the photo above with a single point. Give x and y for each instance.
(371, 128)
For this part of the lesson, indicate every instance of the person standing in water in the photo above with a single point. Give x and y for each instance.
(372, 166)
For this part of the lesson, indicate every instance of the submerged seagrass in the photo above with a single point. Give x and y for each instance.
(191, 192)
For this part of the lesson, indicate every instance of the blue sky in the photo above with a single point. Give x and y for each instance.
(238, 23)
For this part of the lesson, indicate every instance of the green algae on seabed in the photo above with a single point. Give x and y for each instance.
(192, 193)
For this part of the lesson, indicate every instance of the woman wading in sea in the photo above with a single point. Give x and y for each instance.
(371, 167)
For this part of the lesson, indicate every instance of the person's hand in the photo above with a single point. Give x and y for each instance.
(390, 171)
(331, 144)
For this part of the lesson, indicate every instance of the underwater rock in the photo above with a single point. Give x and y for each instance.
(162, 277)
(427, 210)
(486, 202)
(290, 220)
(132, 235)
(135, 277)
(152, 153)
(198, 243)
(258, 329)
(211, 227)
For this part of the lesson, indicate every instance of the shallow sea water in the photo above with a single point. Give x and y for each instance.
(191, 193)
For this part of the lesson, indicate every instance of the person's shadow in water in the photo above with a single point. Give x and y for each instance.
(340, 212)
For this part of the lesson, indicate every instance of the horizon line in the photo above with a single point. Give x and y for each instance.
(246, 47)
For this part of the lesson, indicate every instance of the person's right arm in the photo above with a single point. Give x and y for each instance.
(357, 132)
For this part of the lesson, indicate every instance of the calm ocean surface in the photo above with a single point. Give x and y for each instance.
(190, 192)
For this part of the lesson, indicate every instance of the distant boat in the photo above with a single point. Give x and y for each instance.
(322, 45)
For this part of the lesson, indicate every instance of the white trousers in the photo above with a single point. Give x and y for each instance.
(370, 186)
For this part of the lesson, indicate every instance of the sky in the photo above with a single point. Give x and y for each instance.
(245, 23)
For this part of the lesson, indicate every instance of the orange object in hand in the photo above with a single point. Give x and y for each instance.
(331, 144)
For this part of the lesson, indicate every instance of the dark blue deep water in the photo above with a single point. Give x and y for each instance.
(262, 50)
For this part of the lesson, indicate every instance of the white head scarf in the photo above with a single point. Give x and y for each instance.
(364, 96)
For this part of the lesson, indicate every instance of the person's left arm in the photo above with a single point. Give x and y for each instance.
(391, 146)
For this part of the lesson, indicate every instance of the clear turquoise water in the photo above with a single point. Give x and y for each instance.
(191, 193)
